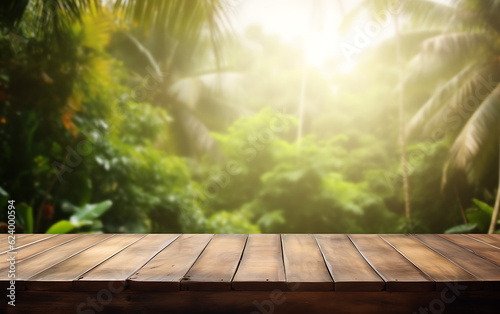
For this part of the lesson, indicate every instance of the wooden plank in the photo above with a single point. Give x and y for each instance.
(397, 272)
(23, 241)
(19, 235)
(216, 266)
(253, 302)
(31, 266)
(440, 269)
(166, 270)
(261, 267)
(482, 249)
(62, 275)
(118, 268)
(492, 239)
(6, 237)
(39, 247)
(305, 268)
(478, 266)
(349, 270)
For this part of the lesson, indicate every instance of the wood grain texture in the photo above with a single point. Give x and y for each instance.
(261, 267)
(253, 264)
(31, 266)
(39, 247)
(348, 268)
(166, 270)
(19, 235)
(305, 268)
(62, 275)
(256, 302)
(398, 273)
(480, 248)
(217, 265)
(440, 269)
(481, 268)
(118, 268)
(22, 241)
(39, 262)
(491, 239)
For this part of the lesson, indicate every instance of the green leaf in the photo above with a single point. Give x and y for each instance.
(483, 206)
(3, 192)
(62, 226)
(465, 228)
(480, 215)
(479, 218)
(25, 217)
(89, 212)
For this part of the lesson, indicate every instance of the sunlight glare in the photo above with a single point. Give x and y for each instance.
(315, 50)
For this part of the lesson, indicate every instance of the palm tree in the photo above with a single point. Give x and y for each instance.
(178, 75)
(176, 31)
(377, 7)
(402, 120)
(176, 17)
(457, 58)
(186, 21)
(181, 37)
(463, 59)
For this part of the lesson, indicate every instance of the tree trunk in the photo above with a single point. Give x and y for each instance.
(459, 202)
(494, 217)
(402, 135)
(302, 106)
(314, 18)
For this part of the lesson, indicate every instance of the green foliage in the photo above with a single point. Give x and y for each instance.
(85, 216)
(478, 217)
(62, 226)
(464, 228)
(77, 138)
(286, 192)
(73, 131)
(411, 225)
(24, 217)
(231, 222)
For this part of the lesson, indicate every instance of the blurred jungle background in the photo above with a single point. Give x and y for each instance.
(248, 116)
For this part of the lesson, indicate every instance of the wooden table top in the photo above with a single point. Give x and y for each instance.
(255, 262)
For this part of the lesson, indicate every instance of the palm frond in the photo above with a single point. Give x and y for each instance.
(429, 69)
(457, 43)
(411, 43)
(144, 54)
(12, 11)
(487, 11)
(443, 95)
(180, 19)
(47, 15)
(455, 112)
(479, 129)
(439, 15)
(421, 12)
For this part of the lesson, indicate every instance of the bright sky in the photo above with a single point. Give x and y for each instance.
(291, 19)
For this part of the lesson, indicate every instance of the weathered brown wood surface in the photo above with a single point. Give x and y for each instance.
(272, 273)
